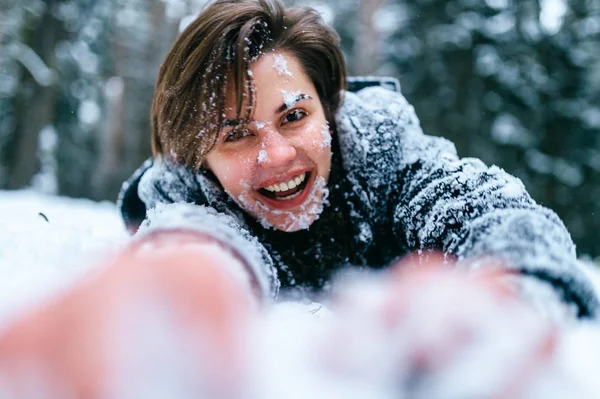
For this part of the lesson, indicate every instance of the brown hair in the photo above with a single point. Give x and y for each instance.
(189, 99)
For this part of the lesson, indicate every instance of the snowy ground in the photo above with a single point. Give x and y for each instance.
(47, 242)
(38, 257)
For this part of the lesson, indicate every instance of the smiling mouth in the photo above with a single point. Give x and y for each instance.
(285, 195)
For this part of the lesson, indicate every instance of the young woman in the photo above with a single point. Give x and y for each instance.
(262, 145)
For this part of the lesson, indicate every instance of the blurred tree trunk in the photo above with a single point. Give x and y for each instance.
(125, 143)
(110, 140)
(367, 45)
(36, 100)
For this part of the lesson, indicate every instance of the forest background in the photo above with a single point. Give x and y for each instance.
(513, 82)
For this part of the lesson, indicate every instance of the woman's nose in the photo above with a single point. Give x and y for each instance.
(276, 150)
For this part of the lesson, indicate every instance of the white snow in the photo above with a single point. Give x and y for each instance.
(290, 98)
(552, 15)
(46, 180)
(367, 341)
(262, 156)
(280, 65)
(261, 124)
(300, 219)
(89, 112)
(37, 258)
(43, 75)
(114, 87)
(326, 135)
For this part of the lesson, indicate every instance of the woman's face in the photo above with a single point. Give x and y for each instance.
(276, 165)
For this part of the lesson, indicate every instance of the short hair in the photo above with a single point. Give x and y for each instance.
(220, 44)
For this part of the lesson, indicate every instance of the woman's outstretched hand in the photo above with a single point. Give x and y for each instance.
(431, 331)
(167, 314)
(176, 315)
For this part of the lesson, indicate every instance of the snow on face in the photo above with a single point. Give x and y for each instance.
(297, 219)
(280, 65)
(326, 136)
(261, 124)
(284, 140)
(290, 98)
(263, 156)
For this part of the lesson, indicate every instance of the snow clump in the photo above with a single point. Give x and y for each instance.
(262, 156)
(280, 65)
(290, 98)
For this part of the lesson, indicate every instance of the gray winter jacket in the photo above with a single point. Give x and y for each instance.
(393, 191)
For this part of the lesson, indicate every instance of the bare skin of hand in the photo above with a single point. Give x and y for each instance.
(82, 343)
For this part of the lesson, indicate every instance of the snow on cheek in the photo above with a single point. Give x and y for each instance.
(280, 65)
(325, 136)
(237, 172)
(319, 137)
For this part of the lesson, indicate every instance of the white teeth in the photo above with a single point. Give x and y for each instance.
(293, 183)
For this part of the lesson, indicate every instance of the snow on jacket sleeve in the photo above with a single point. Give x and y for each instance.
(459, 206)
(177, 199)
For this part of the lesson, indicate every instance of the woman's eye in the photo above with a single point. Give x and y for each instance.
(294, 116)
(237, 134)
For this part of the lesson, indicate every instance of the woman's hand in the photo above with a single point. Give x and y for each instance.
(168, 313)
(435, 332)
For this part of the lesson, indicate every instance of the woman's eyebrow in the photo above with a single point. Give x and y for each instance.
(290, 103)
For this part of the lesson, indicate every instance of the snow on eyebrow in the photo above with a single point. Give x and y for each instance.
(280, 65)
(290, 98)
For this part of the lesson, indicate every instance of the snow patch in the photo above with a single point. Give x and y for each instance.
(326, 136)
(299, 219)
(280, 65)
(261, 124)
(48, 242)
(290, 98)
(89, 112)
(46, 180)
(263, 156)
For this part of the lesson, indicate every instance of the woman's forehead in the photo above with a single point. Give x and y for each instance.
(278, 79)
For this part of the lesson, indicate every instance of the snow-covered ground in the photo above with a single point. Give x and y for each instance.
(46, 243)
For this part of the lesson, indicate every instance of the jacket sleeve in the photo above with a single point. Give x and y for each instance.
(179, 200)
(224, 229)
(481, 215)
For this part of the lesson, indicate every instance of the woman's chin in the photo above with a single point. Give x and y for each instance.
(291, 220)
(300, 217)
